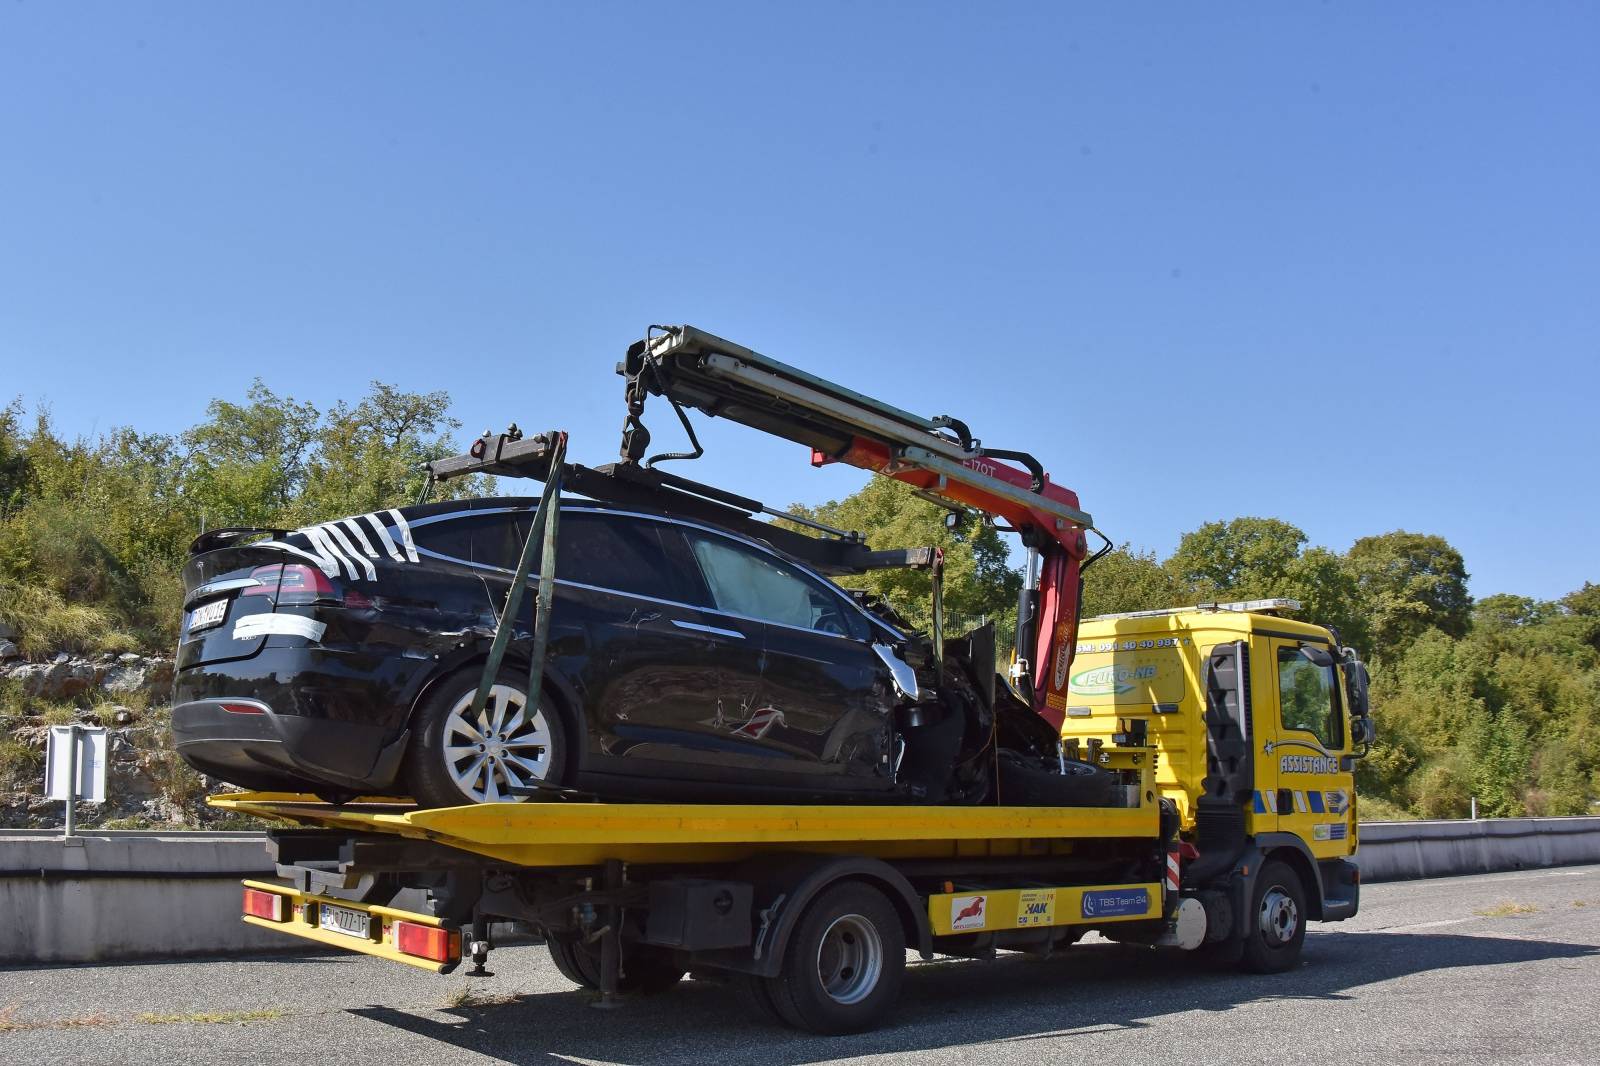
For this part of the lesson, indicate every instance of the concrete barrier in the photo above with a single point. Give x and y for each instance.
(1398, 851)
(127, 894)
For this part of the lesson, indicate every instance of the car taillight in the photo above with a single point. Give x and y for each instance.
(297, 584)
(427, 941)
(235, 707)
(267, 905)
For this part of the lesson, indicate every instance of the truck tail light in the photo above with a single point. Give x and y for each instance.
(427, 941)
(267, 905)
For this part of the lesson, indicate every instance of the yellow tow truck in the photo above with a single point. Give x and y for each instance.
(1232, 728)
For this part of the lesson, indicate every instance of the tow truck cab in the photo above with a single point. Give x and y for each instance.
(1257, 719)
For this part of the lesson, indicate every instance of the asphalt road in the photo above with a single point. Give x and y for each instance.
(1498, 968)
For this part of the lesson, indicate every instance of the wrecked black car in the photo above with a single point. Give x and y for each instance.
(686, 663)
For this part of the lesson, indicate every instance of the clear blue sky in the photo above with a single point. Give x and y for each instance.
(1335, 263)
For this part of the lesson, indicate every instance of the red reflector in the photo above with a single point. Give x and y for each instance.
(268, 905)
(244, 708)
(427, 942)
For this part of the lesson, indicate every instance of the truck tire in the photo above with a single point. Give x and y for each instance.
(844, 963)
(1275, 925)
(515, 746)
(645, 971)
(753, 997)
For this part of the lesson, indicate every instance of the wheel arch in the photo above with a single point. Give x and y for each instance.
(554, 685)
(1292, 852)
(786, 888)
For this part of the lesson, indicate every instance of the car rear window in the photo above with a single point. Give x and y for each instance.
(469, 539)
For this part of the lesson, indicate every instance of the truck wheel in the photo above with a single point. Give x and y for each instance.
(645, 971)
(1275, 924)
(844, 963)
(454, 760)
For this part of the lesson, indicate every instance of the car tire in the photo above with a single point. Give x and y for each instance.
(1275, 924)
(844, 963)
(1070, 784)
(646, 971)
(513, 747)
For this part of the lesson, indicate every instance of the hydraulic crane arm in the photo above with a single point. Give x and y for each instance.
(937, 456)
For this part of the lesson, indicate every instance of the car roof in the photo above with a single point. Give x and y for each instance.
(417, 512)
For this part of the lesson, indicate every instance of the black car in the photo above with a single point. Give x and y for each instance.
(685, 663)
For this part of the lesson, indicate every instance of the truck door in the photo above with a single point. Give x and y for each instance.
(1306, 759)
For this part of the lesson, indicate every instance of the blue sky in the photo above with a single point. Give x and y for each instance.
(1335, 263)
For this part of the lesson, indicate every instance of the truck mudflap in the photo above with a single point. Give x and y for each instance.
(1341, 889)
(419, 940)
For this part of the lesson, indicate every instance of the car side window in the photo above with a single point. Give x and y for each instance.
(616, 552)
(757, 585)
(1306, 697)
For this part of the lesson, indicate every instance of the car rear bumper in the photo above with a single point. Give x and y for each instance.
(330, 717)
(268, 750)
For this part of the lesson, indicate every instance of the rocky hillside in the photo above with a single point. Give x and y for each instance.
(147, 784)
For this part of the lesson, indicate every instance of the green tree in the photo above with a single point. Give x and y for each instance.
(247, 462)
(370, 456)
(979, 581)
(15, 467)
(1246, 556)
(1261, 558)
(1409, 583)
(1128, 580)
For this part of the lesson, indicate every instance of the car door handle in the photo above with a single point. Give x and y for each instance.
(698, 628)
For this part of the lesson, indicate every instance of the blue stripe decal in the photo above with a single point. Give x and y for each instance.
(1261, 807)
(1316, 802)
(1337, 830)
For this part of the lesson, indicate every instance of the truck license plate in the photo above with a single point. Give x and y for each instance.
(344, 920)
(207, 615)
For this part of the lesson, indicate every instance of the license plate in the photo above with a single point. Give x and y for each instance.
(344, 920)
(208, 615)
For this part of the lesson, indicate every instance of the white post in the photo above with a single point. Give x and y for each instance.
(1474, 808)
(72, 779)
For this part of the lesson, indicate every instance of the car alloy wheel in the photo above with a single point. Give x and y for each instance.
(503, 748)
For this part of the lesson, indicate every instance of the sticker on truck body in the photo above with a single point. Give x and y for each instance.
(967, 912)
(1116, 903)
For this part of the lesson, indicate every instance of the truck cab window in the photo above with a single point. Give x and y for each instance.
(1306, 698)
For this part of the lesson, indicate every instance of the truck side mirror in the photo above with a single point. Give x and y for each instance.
(1315, 655)
(1362, 732)
(1356, 682)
